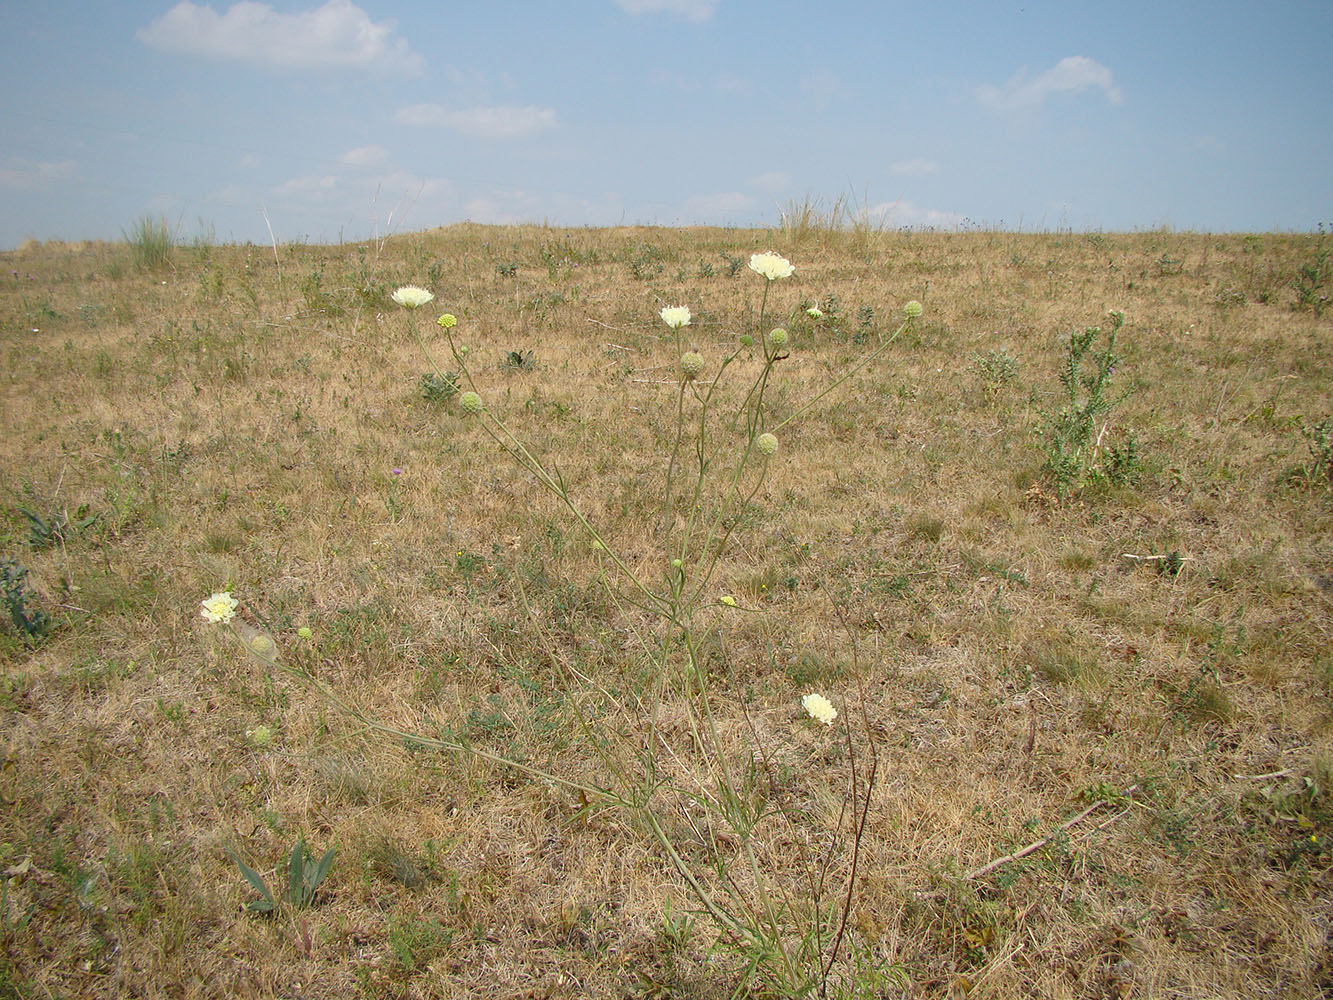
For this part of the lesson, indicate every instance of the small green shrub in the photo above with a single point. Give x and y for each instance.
(1312, 277)
(438, 387)
(56, 528)
(996, 369)
(32, 623)
(518, 361)
(1319, 439)
(647, 261)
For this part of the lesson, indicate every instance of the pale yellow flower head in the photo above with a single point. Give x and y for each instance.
(219, 607)
(728, 600)
(819, 708)
(912, 309)
(470, 402)
(448, 321)
(814, 312)
(777, 337)
(411, 296)
(675, 316)
(771, 265)
(767, 444)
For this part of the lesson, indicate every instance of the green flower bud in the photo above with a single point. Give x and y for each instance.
(912, 309)
(777, 337)
(747, 340)
(767, 444)
(470, 402)
(691, 364)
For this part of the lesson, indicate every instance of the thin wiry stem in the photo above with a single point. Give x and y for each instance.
(866, 360)
(754, 917)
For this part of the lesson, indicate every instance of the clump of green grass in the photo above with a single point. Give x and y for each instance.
(151, 243)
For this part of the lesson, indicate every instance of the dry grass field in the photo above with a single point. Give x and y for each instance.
(1085, 738)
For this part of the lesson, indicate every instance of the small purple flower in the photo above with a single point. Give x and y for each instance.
(397, 471)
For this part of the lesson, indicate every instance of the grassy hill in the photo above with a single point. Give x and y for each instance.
(1070, 597)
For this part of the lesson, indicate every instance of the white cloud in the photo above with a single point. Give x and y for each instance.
(709, 206)
(338, 35)
(903, 214)
(914, 167)
(691, 10)
(1070, 75)
(363, 188)
(501, 122)
(364, 157)
(505, 207)
(772, 182)
(311, 187)
(18, 174)
(356, 201)
(233, 194)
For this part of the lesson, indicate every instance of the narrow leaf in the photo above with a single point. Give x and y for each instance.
(255, 880)
(321, 870)
(296, 874)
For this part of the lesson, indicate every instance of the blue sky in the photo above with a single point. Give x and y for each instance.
(340, 119)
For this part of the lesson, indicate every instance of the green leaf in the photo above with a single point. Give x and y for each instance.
(267, 904)
(316, 875)
(296, 875)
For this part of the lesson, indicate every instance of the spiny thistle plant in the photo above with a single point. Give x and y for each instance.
(659, 755)
(1074, 447)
